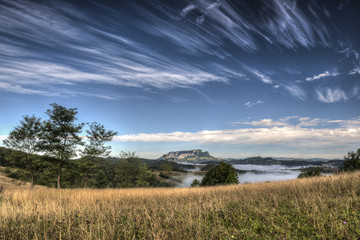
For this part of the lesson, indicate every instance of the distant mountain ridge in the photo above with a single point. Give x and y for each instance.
(293, 162)
(196, 155)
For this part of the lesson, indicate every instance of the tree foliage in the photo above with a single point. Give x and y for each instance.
(60, 135)
(59, 139)
(25, 138)
(195, 183)
(97, 136)
(352, 161)
(221, 174)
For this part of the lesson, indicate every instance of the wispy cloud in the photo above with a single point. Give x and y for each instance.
(296, 91)
(292, 28)
(281, 23)
(251, 104)
(355, 71)
(263, 78)
(91, 53)
(178, 99)
(342, 4)
(300, 122)
(355, 92)
(322, 75)
(259, 74)
(328, 95)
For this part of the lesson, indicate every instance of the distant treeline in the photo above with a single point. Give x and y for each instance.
(105, 172)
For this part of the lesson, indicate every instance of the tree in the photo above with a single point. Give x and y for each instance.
(221, 174)
(127, 155)
(131, 172)
(352, 161)
(59, 136)
(195, 183)
(97, 136)
(311, 172)
(25, 138)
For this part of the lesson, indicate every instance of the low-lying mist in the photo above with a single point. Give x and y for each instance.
(254, 173)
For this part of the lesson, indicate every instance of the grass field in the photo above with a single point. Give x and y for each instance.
(316, 208)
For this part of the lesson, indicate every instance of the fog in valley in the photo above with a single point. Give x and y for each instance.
(254, 173)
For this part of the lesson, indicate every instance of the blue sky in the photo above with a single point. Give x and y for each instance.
(235, 78)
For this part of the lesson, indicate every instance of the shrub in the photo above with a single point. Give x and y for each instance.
(195, 183)
(7, 170)
(311, 172)
(221, 174)
(164, 175)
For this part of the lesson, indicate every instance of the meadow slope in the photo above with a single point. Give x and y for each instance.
(314, 208)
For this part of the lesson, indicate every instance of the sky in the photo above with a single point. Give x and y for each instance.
(277, 78)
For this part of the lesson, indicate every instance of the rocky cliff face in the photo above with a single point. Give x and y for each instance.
(189, 155)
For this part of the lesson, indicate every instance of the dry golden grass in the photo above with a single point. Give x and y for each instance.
(316, 208)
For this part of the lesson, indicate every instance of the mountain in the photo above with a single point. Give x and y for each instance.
(196, 155)
(289, 162)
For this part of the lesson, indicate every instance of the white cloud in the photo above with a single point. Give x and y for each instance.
(293, 132)
(267, 123)
(355, 92)
(308, 122)
(300, 122)
(263, 77)
(355, 71)
(322, 75)
(296, 91)
(251, 104)
(187, 9)
(285, 136)
(328, 95)
(3, 137)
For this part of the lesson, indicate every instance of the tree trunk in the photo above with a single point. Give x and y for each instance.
(32, 180)
(86, 179)
(59, 176)
(32, 174)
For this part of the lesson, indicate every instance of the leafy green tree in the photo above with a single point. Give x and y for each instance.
(101, 179)
(94, 149)
(25, 138)
(352, 161)
(60, 136)
(131, 172)
(311, 172)
(221, 174)
(195, 183)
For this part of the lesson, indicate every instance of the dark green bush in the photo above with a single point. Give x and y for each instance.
(195, 183)
(221, 174)
(352, 161)
(311, 172)
(164, 175)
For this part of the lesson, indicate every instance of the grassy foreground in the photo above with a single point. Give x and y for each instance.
(318, 208)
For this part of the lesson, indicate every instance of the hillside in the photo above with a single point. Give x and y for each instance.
(313, 208)
(12, 184)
